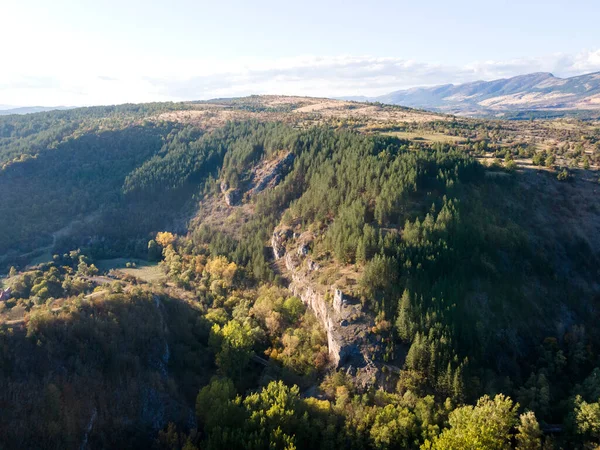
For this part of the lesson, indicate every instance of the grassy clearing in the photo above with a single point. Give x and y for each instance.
(428, 136)
(144, 270)
(104, 265)
(149, 274)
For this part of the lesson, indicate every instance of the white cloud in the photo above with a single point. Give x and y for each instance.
(97, 77)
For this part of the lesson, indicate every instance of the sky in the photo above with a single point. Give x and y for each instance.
(80, 52)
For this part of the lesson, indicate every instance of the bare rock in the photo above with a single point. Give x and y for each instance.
(271, 175)
(5, 295)
(303, 250)
(348, 329)
(346, 339)
(338, 300)
(232, 197)
(311, 265)
(224, 186)
(278, 241)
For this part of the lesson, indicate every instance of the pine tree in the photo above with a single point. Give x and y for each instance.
(458, 384)
(404, 325)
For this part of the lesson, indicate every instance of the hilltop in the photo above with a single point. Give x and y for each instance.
(8, 110)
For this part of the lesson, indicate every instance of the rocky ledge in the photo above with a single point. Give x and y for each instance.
(265, 175)
(347, 327)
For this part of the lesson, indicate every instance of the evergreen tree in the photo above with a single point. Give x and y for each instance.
(404, 321)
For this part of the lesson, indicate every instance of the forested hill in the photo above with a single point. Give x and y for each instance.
(289, 272)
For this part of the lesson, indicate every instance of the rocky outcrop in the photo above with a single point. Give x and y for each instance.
(347, 328)
(224, 186)
(270, 174)
(163, 360)
(338, 301)
(311, 266)
(265, 175)
(232, 196)
(278, 241)
(5, 295)
(302, 250)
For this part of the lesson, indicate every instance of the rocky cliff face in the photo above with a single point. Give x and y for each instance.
(347, 327)
(278, 241)
(232, 196)
(265, 175)
(268, 175)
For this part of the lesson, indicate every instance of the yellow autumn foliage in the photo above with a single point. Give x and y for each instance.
(165, 238)
(219, 268)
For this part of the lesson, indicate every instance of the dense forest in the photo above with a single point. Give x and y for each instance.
(473, 279)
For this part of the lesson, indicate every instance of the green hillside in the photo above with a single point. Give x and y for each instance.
(392, 280)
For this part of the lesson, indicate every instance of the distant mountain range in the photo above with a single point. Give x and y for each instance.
(6, 110)
(532, 92)
(538, 94)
